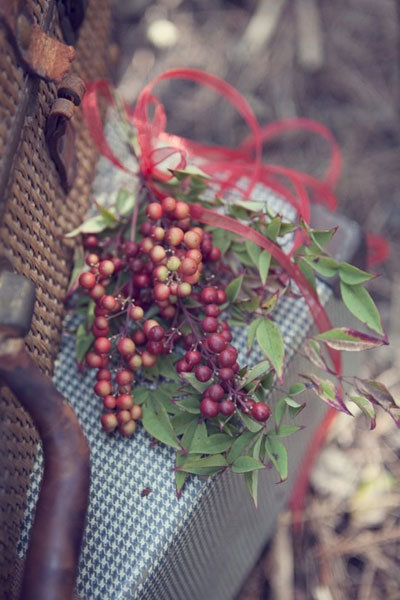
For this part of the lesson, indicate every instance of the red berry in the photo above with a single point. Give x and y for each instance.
(146, 245)
(227, 408)
(226, 374)
(211, 310)
(102, 345)
(109, 402)
(193, 357)
(90, 242)
(106, 268)
(109, 422)
(221, 297)
(154, 211)
(216, 342)
(101, 323)
(215, 392)
(168, 204)
(126, 347)
(139, 337)
(87, 280)
(215, 254)
(141, 280)
(100, 312)
(108, 302)
(145, 228)
(130, 249)
(127, 429)
(102, 388)
(160, 273)
(209, 408)
(203, 373)
(124, 402)
(93, 360)
(182, 366)
(124, 377)
(226, 335)
(118, 264)
(188, 266)
(100, 332)
(123, 416)
(103, 375)
(194, 254)
(157, 253)
(155, 348)
(260, 411)
(209, 324)
(181, 210)
(226, 358)
(209, 295)
(97, 292)
(161, 291)
(148, 360)
(249, 406)
(174, 236)
(192, 239)
(149, 324)
(156, 333)
(136, 412)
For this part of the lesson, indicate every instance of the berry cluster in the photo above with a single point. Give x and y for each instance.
(164, 268)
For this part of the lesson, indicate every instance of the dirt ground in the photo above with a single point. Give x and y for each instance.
(336, 61)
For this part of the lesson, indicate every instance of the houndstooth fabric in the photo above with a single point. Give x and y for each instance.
(156, 546)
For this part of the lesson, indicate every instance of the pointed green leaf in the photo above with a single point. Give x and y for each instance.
(285, 431)
(366, 407)
(181, 476)
(197, 465)
(158, 425)
(197, 385)
(251, 477)
(251, 424)
(141, 394)
(353, 275)
(279, 412)
(240, 445)
(307, 272)
(125, 202)
(277, 453)
(214, 444)
(244, 464)
(264, 261)
(296, 388)
(251, 332)
(361, 305)
(253, 250)
(83, 341)
(344, 338)
(93, 225)
(107, 215)
(324, 265)
(182, 420)
(273, 228)
(233, 289)
(270, 340)
(259, 370)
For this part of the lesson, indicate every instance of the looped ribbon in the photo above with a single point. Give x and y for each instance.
(225, 166)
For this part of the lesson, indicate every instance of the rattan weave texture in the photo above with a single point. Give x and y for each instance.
(34, 215)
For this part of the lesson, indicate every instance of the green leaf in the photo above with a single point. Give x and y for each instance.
(181, 476)
(190, 404)
(253, 250)
(222, 239)
(166, 367)
(324, 265)
(251, 477)
(93, 225)
(251, 332)
(233, 289)
(270, 303)
(285, 431)
(366, 407)
(353, 275)
(156, 422)
(141, 394)
(322, 237)
(107, 215)
(83, 342)
(251, 425)
(181, 421)
(250, 305)
(196, 465)
(279, 411)
(361, 305)
(273, 228)
(343, 338)
(297, 388)
(277, 453)
(214, 444)
(257, 371)
(264, 261)
(79, 264)
(244, 464)
(240, 445)
(125, 202)
(197, 385)
(270, 340)
(307, 272)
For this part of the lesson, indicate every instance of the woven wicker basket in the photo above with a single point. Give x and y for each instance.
(35, 212)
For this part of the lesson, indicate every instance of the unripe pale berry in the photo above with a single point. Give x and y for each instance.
(192, 239)
(146, 245)
(173, 263)
(168, 204)
(103, 375)
(192, 279)
(106, 268)
(149, 324)
(109, 422)
(136, 313)
(157, 254)
(108, 302)
(174, 236)
(97, 292)
(161, 291)
(93, 360)
(123, 416)
(158, 233)
(124, 377)
(135, 362)
(194, 254)
(181, 210)
(127, 429)
(184, 289)
(148, 360)
(101, 323)
(160, 273)
(136, 412)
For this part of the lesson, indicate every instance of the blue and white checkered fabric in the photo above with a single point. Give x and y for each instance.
(158, 547)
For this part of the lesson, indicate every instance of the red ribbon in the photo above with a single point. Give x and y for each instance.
(225, 166)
